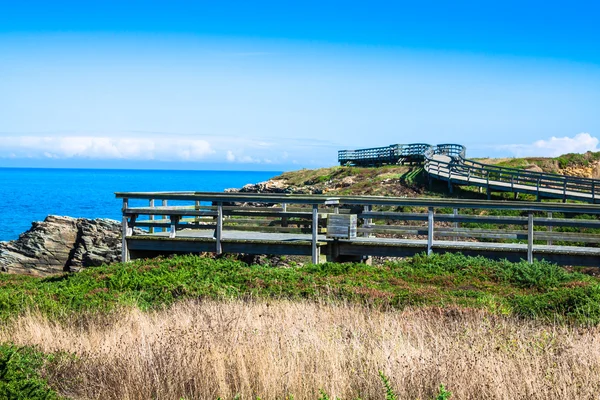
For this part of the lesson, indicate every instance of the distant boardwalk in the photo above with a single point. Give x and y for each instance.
(447, 162)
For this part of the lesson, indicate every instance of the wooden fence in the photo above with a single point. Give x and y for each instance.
(297, 224)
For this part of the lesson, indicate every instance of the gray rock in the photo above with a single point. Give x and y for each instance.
(62, 244)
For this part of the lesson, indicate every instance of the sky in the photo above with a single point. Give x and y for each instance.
(277, 85)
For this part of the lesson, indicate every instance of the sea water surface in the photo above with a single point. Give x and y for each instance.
(30, 194)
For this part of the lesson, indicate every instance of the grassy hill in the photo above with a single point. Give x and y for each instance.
(386, 180)
(192, 327)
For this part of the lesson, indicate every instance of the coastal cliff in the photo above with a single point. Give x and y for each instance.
(62, 244)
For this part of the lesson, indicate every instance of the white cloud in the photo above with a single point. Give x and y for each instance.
(554, 146)
(104, 147)
(249, 160)
(245, 159)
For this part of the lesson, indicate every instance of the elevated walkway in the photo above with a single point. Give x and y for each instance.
(286, 224)
(447, 162)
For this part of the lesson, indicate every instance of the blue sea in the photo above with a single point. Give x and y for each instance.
(30, 194)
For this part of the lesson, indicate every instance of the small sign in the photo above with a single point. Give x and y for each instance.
(341, 226)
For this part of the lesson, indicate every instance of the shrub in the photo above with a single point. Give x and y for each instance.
(20, 374)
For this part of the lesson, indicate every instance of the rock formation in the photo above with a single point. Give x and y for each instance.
(62, 244)
(275, 186)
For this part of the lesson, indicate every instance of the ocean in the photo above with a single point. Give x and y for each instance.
(30, 194)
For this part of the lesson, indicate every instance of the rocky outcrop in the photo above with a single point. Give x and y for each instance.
(533, 168)
(590, 171)
(276, 186)
(62, 244)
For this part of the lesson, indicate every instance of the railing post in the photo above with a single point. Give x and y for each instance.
(367, 221)
(284, 220)
(489, 193)
(530, 237)
(450, 177)
(124, 232)
(429, 230)
(151, 216)
(593, 191)
(565, 190)
(219, 229)
(315, 227)
(163, 217)
(538, 198)
(455, 213)
(173, 230)
(197, 208)
(549, 242)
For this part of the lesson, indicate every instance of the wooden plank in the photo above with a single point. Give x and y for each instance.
(484, 219)
(151, 217)
(390, 201)
(267, 213)
(219, 229)
(530, 238)
(430, 227)
(168, 211)
(173, 228)
(315, 226)
(342, 226)
(178, 226)
(268, 229)
(124, 232)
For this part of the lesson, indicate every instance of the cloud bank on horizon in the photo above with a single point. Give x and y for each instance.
(178, 149)
(182, 149)
(555, 146)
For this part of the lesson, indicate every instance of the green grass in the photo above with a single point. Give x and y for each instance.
(20, 373)
(540, 290)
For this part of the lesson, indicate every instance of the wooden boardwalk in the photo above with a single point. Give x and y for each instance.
(447, 162)
(297, 225)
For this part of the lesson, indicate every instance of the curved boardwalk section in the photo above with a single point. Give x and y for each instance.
(447, 162)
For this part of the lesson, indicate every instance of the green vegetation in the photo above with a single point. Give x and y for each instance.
(442, 393)
(554, 165)
(20, 373)
(577, 159)
(357, 180)
(539, 290)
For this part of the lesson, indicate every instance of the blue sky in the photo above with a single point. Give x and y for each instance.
(284, 85)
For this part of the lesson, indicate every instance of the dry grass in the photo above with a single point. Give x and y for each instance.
(210, 349)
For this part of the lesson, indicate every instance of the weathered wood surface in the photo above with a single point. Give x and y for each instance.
(341, 226)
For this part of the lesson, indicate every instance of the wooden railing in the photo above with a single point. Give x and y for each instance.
(460, 170)
(218, 212)
(383, 155)
(440, 221)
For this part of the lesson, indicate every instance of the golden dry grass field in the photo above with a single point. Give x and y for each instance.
(274, 349)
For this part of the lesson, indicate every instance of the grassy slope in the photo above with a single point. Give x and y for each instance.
(394, 180)
(539, 290)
